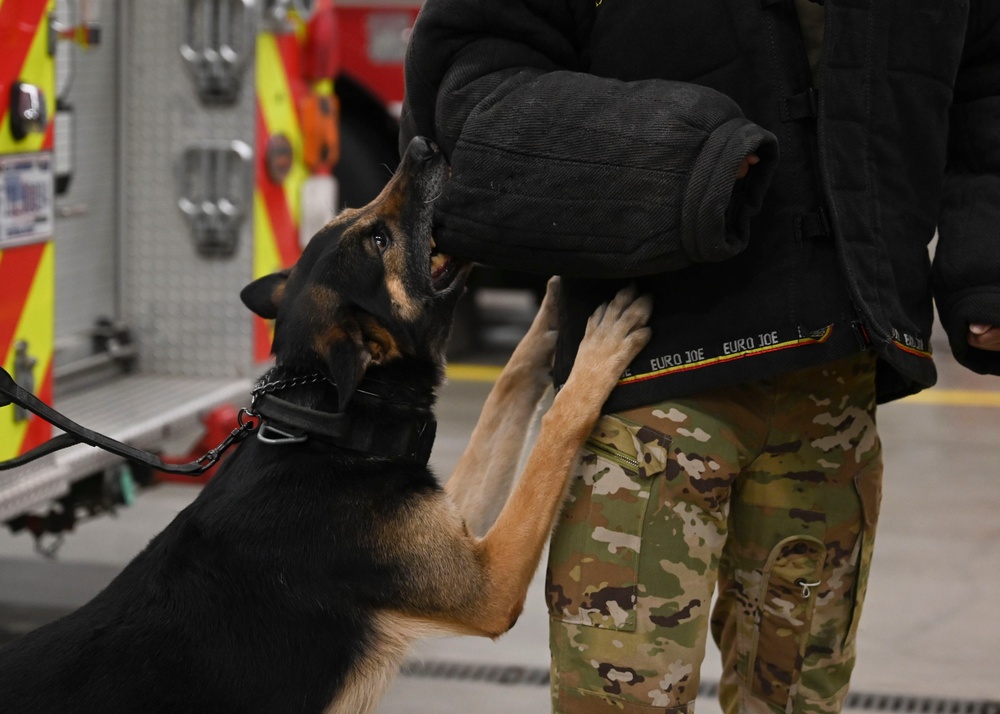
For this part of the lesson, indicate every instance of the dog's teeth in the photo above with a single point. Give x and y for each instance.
(438, 261)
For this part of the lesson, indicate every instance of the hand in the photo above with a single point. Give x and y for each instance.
(985, 337)
(749, 161)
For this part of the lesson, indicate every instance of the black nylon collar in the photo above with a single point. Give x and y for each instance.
(284, 422)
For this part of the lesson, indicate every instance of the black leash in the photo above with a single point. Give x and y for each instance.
(10, 392)
(275, 420)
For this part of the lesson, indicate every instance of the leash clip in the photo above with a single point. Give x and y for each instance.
(247, 425)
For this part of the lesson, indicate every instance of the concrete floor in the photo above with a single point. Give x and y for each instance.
(930, 636)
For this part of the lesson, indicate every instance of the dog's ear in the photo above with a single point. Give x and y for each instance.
(263, 295)
(355, 343)
(344, 350)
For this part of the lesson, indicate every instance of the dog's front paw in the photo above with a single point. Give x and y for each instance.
(545, 327)
(616, 332)
(537, 348)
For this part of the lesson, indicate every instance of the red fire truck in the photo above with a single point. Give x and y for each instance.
(154, 158)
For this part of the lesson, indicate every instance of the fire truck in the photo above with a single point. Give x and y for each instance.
(156, 156)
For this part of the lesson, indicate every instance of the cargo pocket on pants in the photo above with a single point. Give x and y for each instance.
(789, 583)
(868, 485)
(592, 572)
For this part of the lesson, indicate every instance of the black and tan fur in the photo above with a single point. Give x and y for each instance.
(300, 575)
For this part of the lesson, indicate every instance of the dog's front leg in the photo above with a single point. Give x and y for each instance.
(482, 479)
(511, 549)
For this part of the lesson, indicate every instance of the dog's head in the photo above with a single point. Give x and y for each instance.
(370, 288)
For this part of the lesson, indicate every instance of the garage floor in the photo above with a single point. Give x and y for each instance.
(931, 628)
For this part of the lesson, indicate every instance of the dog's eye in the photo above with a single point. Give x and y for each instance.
(381, 241)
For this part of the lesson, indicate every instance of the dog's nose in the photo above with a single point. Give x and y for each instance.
(422, 149)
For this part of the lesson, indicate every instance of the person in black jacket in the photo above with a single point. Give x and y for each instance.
(613, 142)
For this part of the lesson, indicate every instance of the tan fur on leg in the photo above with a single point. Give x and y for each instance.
(510, 551)
(458, 583)
(391, 637)
(482, 479)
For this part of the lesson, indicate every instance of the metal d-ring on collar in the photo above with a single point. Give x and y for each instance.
(268, 433)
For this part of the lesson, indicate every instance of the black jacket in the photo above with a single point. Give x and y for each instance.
(600, 139)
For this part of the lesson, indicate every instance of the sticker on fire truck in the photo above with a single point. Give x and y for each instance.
(26, 198)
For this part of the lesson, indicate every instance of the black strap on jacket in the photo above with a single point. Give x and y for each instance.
(813, 225)
(804, 105)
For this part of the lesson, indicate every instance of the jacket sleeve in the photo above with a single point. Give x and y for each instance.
(559, 171)
(967, 257)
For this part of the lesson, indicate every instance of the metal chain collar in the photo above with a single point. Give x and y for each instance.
(268, 383)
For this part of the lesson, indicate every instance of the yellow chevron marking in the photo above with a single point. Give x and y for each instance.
(35, 326)
(266, 259)
(277, 103)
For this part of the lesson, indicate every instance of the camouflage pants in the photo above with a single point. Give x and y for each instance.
(766, 492)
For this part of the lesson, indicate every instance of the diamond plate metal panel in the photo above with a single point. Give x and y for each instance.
(184, 308)
(193, 334)
(86, 229)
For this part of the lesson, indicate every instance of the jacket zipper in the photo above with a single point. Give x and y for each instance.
(611, 454)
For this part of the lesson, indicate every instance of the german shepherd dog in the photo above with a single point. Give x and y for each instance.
(324, 546)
